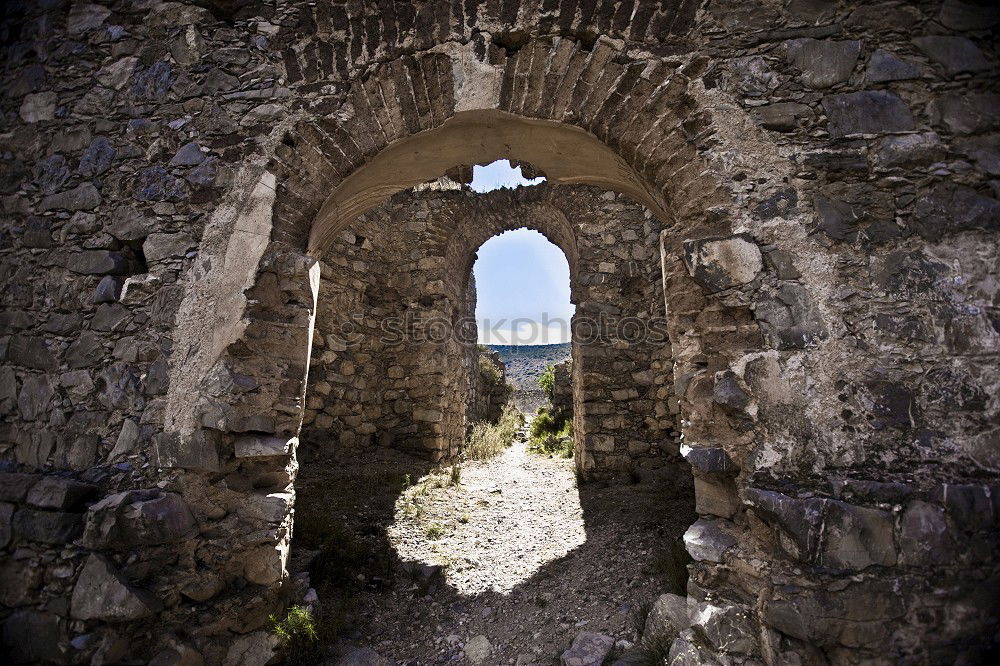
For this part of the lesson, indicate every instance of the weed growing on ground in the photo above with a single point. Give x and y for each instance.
(488, 440)
(456, 475)
(297, 636)
(638, 615)
(652, 652)
(434, 531)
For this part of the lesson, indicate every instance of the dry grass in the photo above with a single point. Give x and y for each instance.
(488, 440)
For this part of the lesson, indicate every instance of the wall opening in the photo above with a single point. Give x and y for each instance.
(388, 489)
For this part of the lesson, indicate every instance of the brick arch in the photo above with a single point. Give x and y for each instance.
(527, 210)
(582, 113)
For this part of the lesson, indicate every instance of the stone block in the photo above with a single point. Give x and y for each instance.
(272, 507)
(790, 319)
(667, 618)
(14, 486)
(799, 520)
(859, 615)
(868, 112)
(729, 629)
(137, 518)
(159, 246)
(101, 593)
(38, 107)
(783, 116)
(253, 649)
(81, 197)
(6, 523)
(962, 16)
(707, 541)
(716, 497)
(971, 506)
(709, 460)
(199, 452)
(910, 150)
(31, 351)
(264, 446)
(686, 650)
(955, 54)
(855, 537)
(19, 582)
(823, 62)
(53, 527)
(98, 262)
(925, 537)
(49, 641)
(950, 208)
(971, 113)
(53, 492)
(885, 66)
(265, 565)
(588, 649)
(722, 263)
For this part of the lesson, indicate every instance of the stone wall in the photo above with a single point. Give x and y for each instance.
(402, 273)
(562, 387)
(489, 391)
(825, 176)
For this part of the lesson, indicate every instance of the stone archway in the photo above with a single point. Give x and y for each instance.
(323, 173)
(827, 179)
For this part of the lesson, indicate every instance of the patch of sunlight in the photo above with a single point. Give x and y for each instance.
(499, 174)
(496, 529)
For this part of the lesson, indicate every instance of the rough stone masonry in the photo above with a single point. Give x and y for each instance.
(824, 177)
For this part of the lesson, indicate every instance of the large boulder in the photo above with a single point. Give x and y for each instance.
(137, 518)
(730, 629)
(666, 620)
(101, 593)
(722, 263)
(706, 541)
(588, 649)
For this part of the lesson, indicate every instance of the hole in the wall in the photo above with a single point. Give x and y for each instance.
(501, 175)
(587, 40)
(511, 42)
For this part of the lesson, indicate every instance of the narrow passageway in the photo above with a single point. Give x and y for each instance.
(506, 562)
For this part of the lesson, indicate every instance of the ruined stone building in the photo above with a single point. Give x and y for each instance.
(197, 195)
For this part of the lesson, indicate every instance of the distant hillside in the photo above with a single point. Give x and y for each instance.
(524, 364)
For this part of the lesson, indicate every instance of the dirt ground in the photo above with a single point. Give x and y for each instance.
(511, 552)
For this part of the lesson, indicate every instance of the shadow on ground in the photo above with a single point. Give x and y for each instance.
(406, 611)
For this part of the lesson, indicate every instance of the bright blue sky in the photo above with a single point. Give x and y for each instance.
(519, 275)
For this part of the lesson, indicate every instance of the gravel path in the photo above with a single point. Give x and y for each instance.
(501, 523)
(506, 566)
(513, 559)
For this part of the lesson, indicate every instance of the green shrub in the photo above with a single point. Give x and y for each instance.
(547, 380)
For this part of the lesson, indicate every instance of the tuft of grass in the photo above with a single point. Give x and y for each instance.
(638, 615)
(653, 652)
(488, 440)
(455, 475)
(297, 636)
(434, 531)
